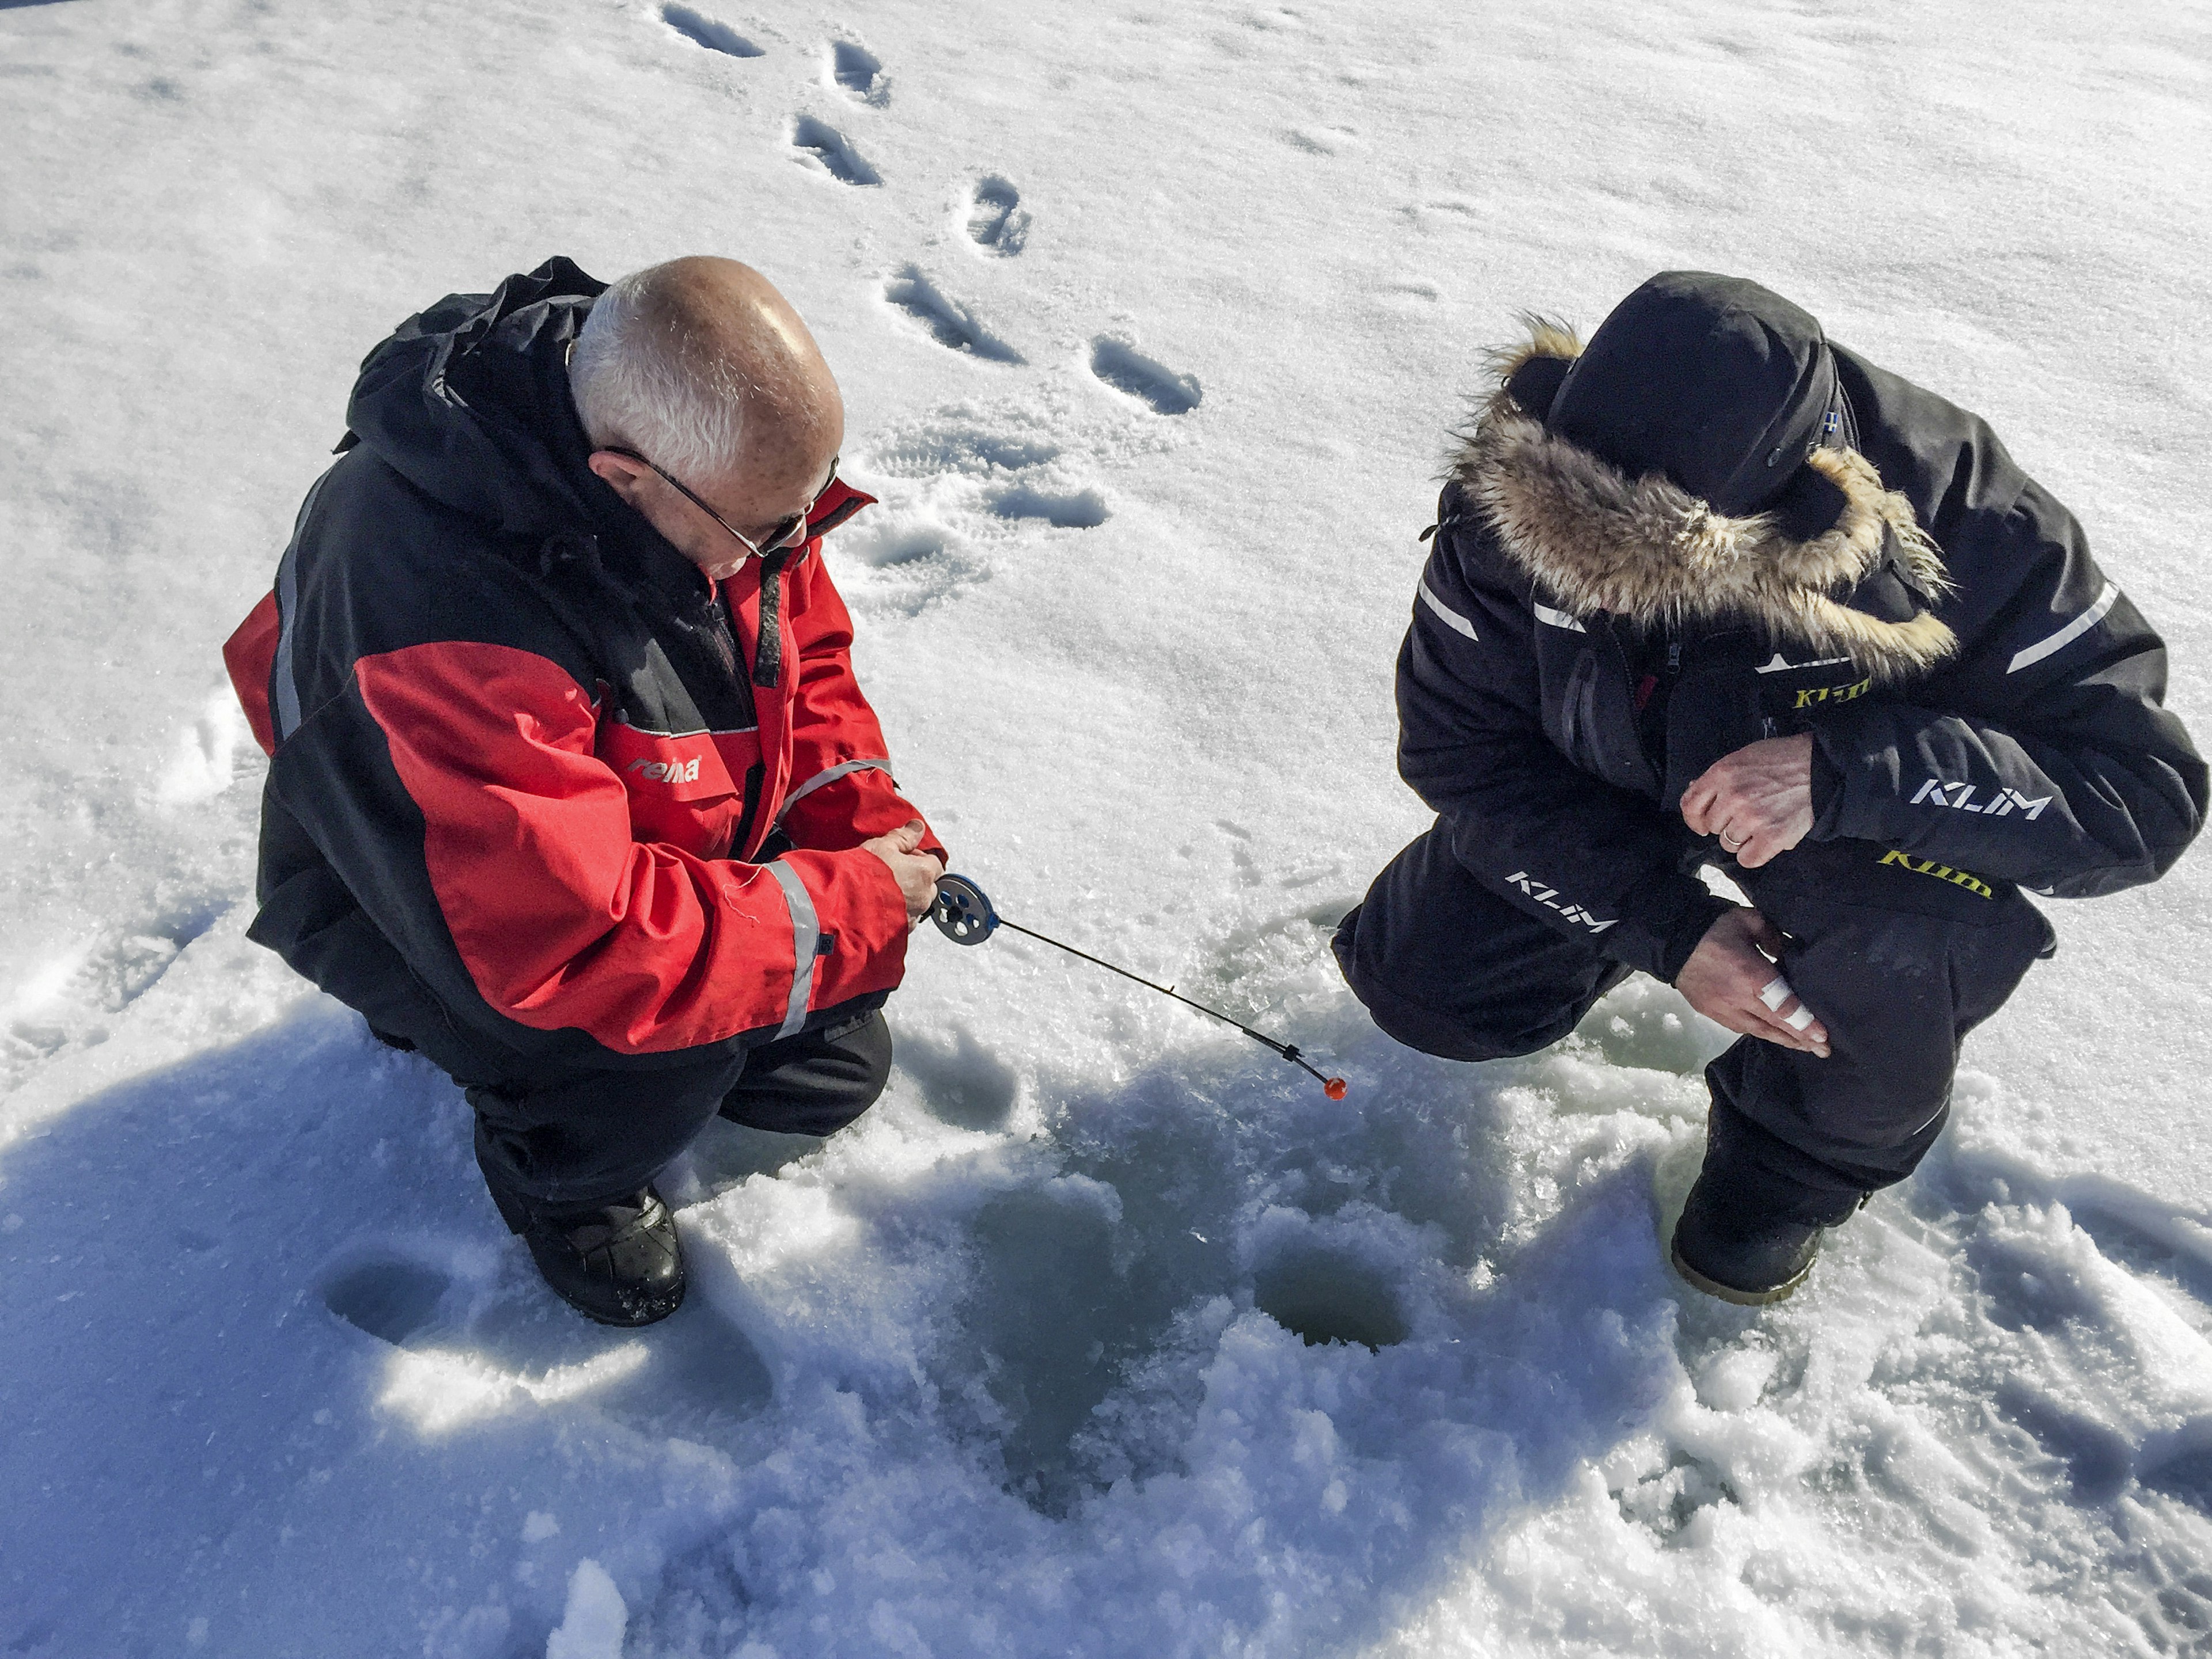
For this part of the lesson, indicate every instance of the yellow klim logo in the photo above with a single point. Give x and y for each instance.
(1972, 882)
(1817, 695)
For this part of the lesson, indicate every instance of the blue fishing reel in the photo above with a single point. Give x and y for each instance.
(962, 912)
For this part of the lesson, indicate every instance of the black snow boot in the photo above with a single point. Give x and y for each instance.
(618, 1262)
(1741, 1254)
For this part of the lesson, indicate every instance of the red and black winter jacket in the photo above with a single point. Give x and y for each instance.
(527, 757)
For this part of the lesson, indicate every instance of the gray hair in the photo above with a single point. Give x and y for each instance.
(643, 380)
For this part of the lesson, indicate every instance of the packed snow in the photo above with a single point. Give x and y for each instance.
(1105, 1332)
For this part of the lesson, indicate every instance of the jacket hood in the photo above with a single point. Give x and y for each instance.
(469, 401)
(1717, 382)
(1642, 546)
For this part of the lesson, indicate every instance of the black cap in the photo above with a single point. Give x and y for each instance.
(1720, 384)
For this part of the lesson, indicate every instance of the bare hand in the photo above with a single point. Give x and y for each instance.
(916, 871)
(1758, 800)
(1733, 978)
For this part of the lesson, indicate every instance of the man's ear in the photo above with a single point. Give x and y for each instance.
(625, 477)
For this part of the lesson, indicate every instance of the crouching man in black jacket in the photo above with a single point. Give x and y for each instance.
(1717, 591)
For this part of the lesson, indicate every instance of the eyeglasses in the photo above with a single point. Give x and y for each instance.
(786, 532)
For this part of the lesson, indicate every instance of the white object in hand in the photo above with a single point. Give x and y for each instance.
(1776, 993)
(1801, 1019)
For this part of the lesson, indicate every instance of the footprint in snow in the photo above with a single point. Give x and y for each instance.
(1008, 442)
(696, 1368)
(71, 999)
(997, 223)
(392, 1300)
(834, 151)
(702, 30)
(1152, 383)
(1071, 509)
(950, 323)
(860, 72)
(2148, 1238)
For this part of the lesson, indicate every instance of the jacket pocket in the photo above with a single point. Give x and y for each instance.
(657, 768)
(1596, 727)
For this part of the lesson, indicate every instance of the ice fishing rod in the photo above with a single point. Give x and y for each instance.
(965, 916)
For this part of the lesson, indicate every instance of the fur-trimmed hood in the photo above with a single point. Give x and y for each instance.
(1647, 550)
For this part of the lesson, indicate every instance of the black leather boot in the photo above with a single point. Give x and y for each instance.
(1745, 1250)
(1737, 1253)
(618, 1262)
(1753, 1223)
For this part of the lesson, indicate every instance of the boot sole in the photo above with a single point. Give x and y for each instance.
(1742, 1298)
(651, 1313)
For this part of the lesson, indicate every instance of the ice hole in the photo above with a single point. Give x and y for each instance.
(1324, 1298)
(965, 1084)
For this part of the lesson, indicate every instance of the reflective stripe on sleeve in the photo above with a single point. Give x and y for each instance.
(280, 675)
(830, 774)
(286, 709)
(2073, 630)
(1559, 619)
(805, 942)
(1450, 617)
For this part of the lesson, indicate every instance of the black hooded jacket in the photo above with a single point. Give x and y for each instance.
(527, 757)
(1592, 632)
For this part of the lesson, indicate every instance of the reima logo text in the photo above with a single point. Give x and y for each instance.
(1549, 898)
(674, 771)
(1960, 797)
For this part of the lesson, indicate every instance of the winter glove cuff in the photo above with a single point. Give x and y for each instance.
(1664, 924)
(1827, 793)
(1697, 921)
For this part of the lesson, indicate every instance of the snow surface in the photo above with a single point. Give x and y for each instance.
(1150, 320)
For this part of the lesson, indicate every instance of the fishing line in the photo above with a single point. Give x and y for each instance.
(965, 916)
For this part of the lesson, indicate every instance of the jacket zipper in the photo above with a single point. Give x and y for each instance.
(741, 843)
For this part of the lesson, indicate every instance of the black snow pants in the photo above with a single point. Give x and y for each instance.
(1900, 958)
(553, 1139)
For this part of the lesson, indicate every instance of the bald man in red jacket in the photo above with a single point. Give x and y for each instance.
(572, 786)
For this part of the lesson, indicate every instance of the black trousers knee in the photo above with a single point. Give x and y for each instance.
(554, 1133)
(1447, 966)
(1899, 961)
(550, 1144)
